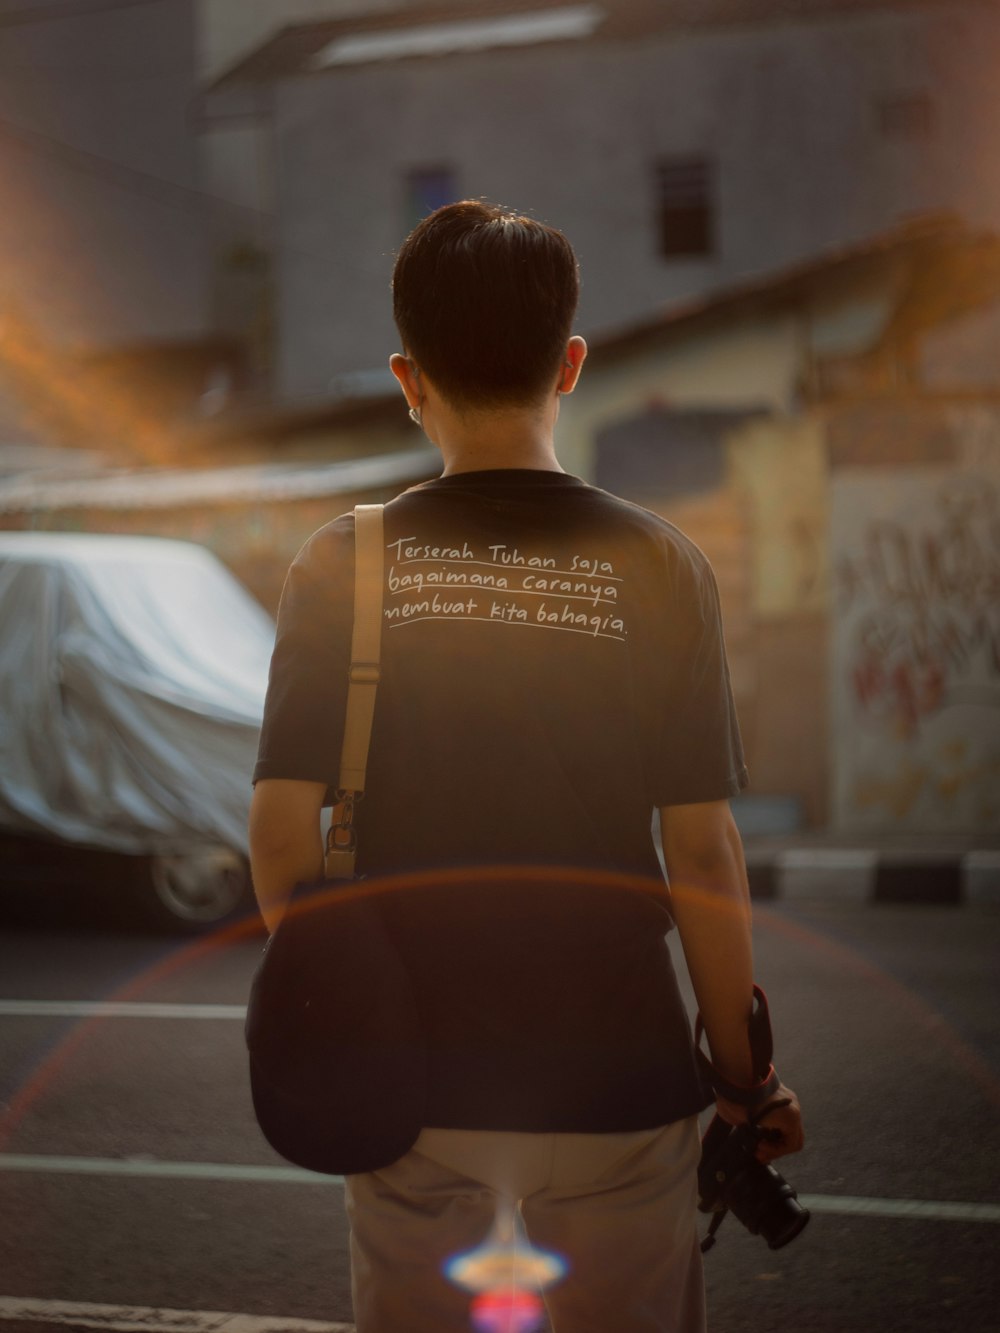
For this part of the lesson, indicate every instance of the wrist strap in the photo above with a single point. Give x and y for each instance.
(363, 677)
(751, 1097)
(766, 1082)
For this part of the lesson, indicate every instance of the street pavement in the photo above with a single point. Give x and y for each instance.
(136, 1192)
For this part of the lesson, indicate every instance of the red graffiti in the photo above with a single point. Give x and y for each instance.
(932, 634)
(905, 690)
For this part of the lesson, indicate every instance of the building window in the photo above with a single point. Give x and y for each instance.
(427, 188)
(909, 118)
(685, 207)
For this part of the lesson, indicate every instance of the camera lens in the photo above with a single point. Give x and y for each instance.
(782, 1217)
(730, 1177)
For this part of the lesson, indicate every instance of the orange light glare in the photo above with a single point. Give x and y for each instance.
(513, 1311)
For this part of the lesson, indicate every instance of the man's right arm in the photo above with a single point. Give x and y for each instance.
(286, 844)
(710, 902)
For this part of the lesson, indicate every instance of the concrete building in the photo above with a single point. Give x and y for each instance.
(682, 146)
(104, 261)
(830, 435)
(102, 219)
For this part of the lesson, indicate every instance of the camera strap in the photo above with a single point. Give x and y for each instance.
(363, 678)
(766, 1082)
(713, 1226)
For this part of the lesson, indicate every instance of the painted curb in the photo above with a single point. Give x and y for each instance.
(864, 874)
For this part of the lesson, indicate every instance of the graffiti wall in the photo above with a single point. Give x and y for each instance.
(916, 649)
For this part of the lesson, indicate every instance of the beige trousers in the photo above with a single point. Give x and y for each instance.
(618, 1209)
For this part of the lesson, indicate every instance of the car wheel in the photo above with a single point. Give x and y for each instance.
(196, 891)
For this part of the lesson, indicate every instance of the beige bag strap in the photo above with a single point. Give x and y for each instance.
(363, 678)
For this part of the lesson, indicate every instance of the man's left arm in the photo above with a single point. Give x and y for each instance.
(710, 903)
(286, 841)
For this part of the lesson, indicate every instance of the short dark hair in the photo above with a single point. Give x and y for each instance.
(484, 300)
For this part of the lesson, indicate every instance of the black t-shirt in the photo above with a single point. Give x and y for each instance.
(553, 668)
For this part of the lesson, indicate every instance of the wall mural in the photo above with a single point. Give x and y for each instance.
(916, 649)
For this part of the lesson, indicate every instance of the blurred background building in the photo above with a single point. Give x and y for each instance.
(786, 213)
(682, 145)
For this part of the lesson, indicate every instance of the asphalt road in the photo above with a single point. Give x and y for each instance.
(133, 1176)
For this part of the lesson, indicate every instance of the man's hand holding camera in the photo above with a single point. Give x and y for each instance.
(752, 1127)
(779, 1124)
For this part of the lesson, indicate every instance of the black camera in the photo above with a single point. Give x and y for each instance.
(731, 1179)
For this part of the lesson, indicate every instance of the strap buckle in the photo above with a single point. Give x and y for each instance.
(342, 835)
(342, 838)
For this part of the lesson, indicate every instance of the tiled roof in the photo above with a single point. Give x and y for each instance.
(299, 48)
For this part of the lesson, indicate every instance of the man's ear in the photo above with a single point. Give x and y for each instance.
(576, 354)
(409, 378)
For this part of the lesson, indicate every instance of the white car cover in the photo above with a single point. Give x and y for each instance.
(132, 679)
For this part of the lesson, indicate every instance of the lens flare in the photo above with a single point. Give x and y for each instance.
(512, 1311)
(507, 1273)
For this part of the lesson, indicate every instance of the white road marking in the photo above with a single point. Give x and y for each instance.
(151, 1166)
(117, 1009)
(844, 1204)
(143, 1319)
(933, 1210)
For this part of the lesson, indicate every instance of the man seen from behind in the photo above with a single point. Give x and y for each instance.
(553, 673)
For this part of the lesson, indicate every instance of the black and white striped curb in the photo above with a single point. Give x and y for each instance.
(864, 874)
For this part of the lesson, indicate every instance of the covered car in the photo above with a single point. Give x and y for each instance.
(132, 680)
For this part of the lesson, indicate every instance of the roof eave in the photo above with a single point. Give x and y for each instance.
(783, 287)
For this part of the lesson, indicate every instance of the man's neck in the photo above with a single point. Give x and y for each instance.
(497, 441)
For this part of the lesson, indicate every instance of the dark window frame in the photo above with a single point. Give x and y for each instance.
(440, 186)
(686, 206)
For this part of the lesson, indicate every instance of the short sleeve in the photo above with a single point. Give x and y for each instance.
(699, 753)
(303, 722)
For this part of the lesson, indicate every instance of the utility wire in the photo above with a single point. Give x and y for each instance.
(143, 183)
